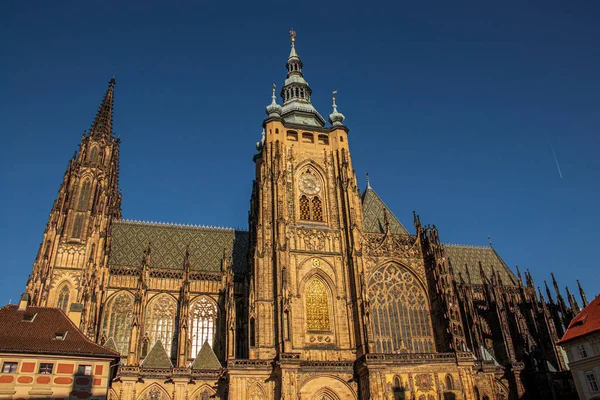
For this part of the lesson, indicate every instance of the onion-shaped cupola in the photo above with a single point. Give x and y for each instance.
(296, 93)
(336, 118)
(273, 109)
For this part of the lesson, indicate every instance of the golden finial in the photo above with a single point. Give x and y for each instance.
(274, 87)
(292, 35)
(334, 93)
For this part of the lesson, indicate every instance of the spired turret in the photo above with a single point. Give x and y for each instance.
(296, 93)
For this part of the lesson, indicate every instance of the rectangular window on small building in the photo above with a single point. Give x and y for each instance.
(9, 367)
(46, 368)
(84, 370)
(592, 382)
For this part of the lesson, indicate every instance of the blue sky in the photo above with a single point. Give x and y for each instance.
(455, 109)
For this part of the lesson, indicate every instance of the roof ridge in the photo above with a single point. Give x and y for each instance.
(180, 225)
(473, 246)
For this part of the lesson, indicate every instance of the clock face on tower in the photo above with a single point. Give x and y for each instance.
(309, 184)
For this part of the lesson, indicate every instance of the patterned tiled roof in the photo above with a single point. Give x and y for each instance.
(206, 359)
(42, 330)
(463, 257)
(168, 245)
(374, 210)
(157, 357)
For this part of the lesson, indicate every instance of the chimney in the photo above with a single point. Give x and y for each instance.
(24, 302)
(75, 313)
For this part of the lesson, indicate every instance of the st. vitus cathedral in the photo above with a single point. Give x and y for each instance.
(326, 296)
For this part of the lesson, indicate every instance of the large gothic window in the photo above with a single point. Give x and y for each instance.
(399, 312)
(84, 196)
(63, 298)
(317, 306)
(160, 320)
(117, 320)
(203, 318)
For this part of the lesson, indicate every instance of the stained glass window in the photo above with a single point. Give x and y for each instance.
(317, 210)
(317, 306)
(117, 320)
(203, 317)
(304, 208)
(399, 312)
(63, 298)
(84, 196)
(160, 320)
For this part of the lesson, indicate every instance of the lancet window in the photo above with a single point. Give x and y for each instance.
(160, 320)
(203, 318)
(77, 227)
(304, 208)
(63, 298)
(94, 154)
(117, 320)
(399, 312)
(84, 196)
(317, 306)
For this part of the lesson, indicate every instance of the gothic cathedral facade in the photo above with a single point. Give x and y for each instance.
(327, 296)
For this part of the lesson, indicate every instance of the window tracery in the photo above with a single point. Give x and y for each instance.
(160, 320)
(317, 306)
(399, 312)
(117, 321)
(63, 298)
(203, 318)
(310, 186)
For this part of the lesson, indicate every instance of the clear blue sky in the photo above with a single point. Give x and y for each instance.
(454, 109)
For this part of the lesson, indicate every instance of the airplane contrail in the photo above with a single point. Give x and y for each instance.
(557, 165)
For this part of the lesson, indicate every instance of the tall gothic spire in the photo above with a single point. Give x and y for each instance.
(102, 126)
(296, 93)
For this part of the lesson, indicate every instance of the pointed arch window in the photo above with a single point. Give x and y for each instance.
(160, 320)
(84, 196)
(399, 312)
(203, 318)
(63, 298)
(94, 154)
(77, 227)
(117, 320)
(449, 382)
(317, 306)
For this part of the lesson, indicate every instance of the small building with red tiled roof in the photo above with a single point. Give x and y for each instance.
(44, 355)
(581, 342)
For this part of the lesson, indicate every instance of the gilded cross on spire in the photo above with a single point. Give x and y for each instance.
(292, 35)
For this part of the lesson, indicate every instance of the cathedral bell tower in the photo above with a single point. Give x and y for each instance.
(305, 214)
(70, 268)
